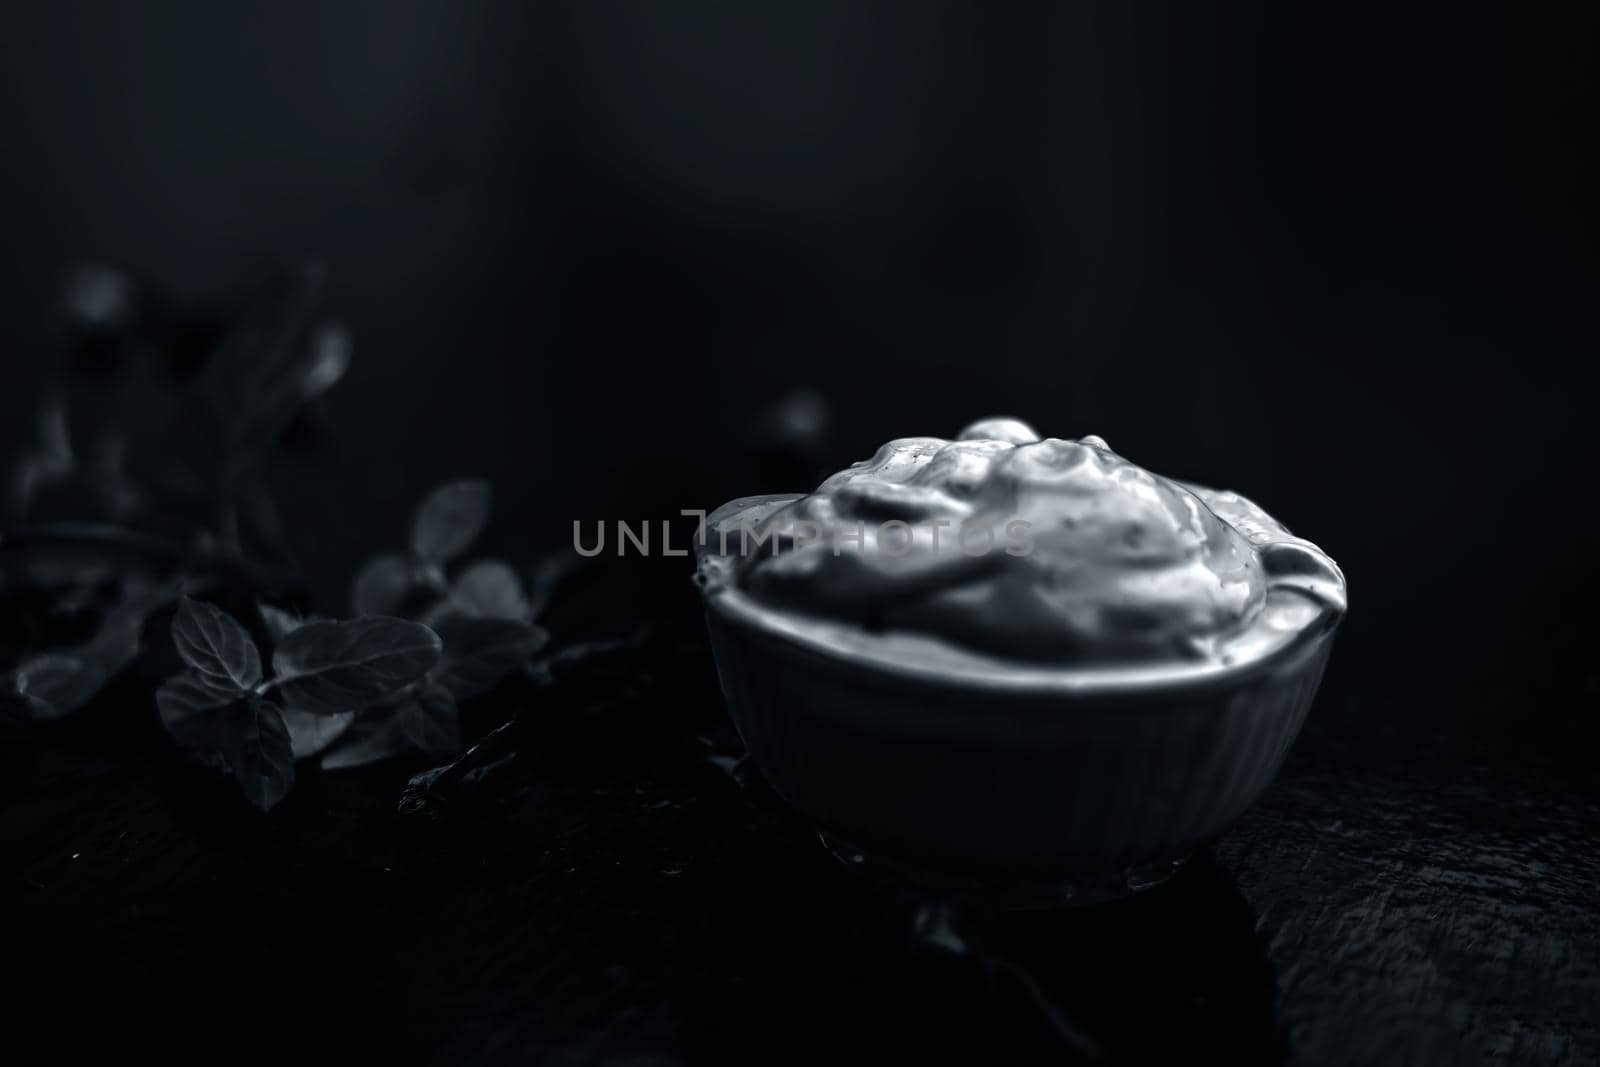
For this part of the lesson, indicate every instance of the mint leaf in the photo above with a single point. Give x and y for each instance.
(478, 653)
(260, 755)
(18, 706)
(47, 683)
(190, 707)
(547, 577)
(449, 519)
(382, 586)
(257, 380)
(216, 647)
(242, 734)
(430, 722)
(50, 462)
(489, 589)
(328, 361)
(426, 721)
(325, 668)
(369, 740)
(310, 734)
(58, 688)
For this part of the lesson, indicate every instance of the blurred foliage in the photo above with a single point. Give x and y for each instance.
(142, 507)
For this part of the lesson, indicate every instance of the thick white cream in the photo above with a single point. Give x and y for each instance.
(1043, 550)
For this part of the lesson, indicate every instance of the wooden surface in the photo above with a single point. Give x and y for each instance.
(605, 883)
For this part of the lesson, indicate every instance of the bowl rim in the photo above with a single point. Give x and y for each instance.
(992, 674)
(787, 628)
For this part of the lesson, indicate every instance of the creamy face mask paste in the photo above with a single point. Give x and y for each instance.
(1085, 666)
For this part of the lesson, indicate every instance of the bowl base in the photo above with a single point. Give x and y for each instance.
(1064, 890)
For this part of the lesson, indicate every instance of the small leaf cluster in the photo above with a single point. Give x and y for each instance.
(361, 690)
(225, 712)
(482, 610)
(158, 485)
(51, 685)
(445, 525)
(148, 473)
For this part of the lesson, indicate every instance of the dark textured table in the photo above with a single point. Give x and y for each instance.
(604, 881)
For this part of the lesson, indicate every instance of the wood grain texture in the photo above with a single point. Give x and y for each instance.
(1445, 914)
(596, 886)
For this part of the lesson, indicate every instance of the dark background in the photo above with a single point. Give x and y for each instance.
(1342, 260)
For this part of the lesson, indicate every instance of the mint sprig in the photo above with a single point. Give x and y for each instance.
(220, 708)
